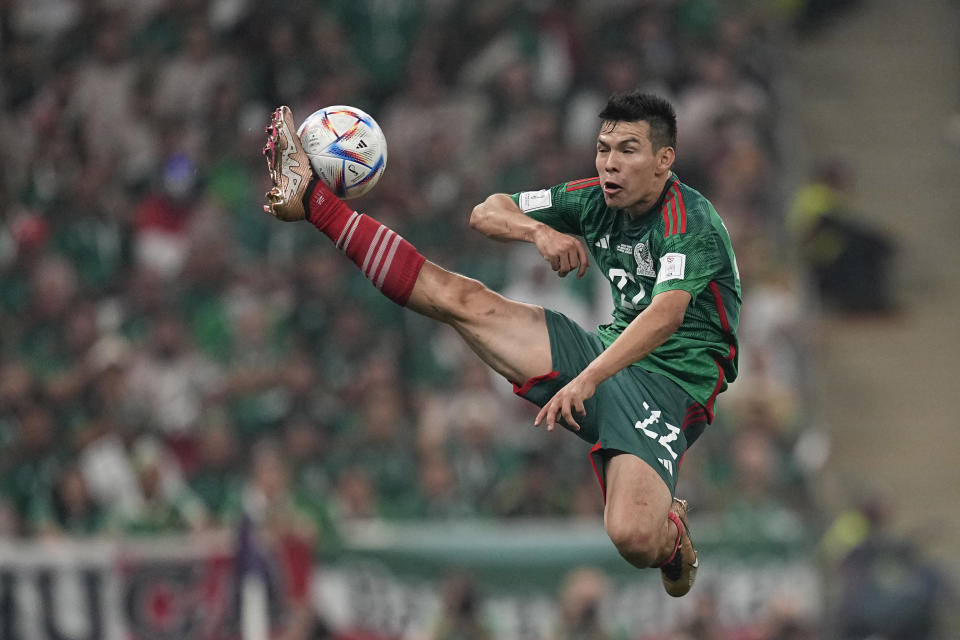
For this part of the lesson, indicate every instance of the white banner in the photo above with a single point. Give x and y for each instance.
(189, 589)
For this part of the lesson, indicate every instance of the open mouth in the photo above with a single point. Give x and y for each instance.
(611, 188)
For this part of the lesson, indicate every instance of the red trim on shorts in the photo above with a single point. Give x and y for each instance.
(693, 416)
(594, 450)
(583, 183)
(716, 392)
(532, 382)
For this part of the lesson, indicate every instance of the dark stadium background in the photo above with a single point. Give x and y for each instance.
(212, 428)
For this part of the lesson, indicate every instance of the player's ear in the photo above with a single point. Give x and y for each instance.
(665, 158)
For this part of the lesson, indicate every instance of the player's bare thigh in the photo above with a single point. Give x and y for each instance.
(635, 514)
(511, 337)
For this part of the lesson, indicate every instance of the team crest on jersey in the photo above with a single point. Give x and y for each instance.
(644, 261)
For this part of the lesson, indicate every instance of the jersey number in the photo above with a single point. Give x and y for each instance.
(620, 277)
(664, 440)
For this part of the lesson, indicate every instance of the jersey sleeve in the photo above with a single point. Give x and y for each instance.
(554, 207)
(688, 261)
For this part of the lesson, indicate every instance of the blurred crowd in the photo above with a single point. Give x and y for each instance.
(171, 357)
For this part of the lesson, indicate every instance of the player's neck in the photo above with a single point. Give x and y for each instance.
(651, 202)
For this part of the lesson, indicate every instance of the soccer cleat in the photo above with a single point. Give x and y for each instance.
(680, 571)
(289, 168)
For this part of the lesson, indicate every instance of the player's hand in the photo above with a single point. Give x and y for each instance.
(565, 402)
(564, 252)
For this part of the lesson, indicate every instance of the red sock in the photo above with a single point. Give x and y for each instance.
(676, 520)
(387, 260)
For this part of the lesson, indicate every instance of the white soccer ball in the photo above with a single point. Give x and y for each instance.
(346, 147)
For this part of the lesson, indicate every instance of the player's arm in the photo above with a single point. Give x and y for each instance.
(500, 218)
(646, 332)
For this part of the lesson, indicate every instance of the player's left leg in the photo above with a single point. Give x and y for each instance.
(635, 515)
(646, 524)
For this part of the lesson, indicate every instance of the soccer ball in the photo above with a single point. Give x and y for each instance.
(346, 147)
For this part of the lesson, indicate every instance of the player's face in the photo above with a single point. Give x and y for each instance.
(631, 173)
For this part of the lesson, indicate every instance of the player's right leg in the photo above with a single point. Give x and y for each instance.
(511, 337)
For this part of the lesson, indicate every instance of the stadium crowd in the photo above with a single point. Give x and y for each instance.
(172, 358)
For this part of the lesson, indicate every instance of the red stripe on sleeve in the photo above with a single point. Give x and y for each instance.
(682, 207)
(582, 184)
(666, 221)
(673, 214)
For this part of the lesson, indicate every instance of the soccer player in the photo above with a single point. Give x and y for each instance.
(642, 388)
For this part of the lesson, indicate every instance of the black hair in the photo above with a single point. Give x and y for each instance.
(636, 106)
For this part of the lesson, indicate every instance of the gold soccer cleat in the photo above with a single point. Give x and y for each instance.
(678, 575)
(289, 168)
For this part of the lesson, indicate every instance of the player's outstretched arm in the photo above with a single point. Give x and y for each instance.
(498, 217)
(646, 332)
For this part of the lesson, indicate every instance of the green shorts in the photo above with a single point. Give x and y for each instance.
(634, 411)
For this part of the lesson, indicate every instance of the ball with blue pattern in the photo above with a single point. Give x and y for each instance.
(346, 147)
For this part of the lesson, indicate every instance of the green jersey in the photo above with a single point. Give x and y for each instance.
(680, 243)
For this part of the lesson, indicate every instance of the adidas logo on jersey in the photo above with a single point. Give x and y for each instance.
(603, 243)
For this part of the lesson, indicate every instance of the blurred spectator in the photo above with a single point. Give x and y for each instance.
(68, 509)
(305, 445)
(162, 219)
(281, 511)
(165, 502)
(104, 88)
(757, 509)
(24, 246)
(888, 590)
(437, 495)
(849, 259)
(886, 587)
(581, 603)
(218, 477)
(186, 84)
(460, 617)
(106, 460)
(384, 45)
(31, 462)
(531, 491)
(705, 621)
(53, 291)
(170, 382)
(19, 391)
(355, 496)
(381, 444)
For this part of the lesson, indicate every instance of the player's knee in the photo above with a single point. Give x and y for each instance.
(633, 541)
(463, 299)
